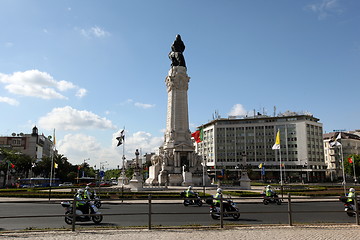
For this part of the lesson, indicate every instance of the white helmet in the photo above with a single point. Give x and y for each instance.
(80, 191)
(190, 187)
(87, 187)
(352, 190)
(219, 190)
(268, 186)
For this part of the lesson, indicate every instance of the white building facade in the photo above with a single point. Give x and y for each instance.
(230, 145)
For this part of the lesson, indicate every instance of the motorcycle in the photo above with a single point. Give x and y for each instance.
(96, 218)
(272, 199)
(348, 207)
(195, 201)
(96, 199)
(232, 212)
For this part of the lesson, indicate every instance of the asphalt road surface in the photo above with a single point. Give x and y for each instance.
(251, 214)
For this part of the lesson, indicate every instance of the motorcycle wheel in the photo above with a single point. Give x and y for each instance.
(350, 214)
(278, 202)
(199, 203)
(68, 218)
(214, 216)
(266, 202)
(97, 219)
(98, 204)
(236, 216)
(186, 203)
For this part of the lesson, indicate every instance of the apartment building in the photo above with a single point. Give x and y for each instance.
(350, 145)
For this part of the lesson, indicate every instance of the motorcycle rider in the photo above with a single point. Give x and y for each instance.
(217, 200)
(269, 192)
(81, 204)
(87, 193)
(189, 193)
(350, 196)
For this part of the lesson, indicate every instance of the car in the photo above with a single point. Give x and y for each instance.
(65, 184)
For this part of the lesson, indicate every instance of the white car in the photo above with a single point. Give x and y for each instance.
(65, 184)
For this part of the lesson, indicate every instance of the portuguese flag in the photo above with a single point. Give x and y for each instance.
(198, 135)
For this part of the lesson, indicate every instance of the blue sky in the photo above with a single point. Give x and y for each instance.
(89, 68)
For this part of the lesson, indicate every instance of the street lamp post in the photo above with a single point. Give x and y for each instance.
(83, 172)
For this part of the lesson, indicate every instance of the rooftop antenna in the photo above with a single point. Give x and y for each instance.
(274, 111)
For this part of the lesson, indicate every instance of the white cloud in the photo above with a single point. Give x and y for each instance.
(10, 101)
(144, 105)
(77, 147)
(33, 83)
(325, 8)
(68, 118)
(94, 32)
(81, 92)
(237, 110)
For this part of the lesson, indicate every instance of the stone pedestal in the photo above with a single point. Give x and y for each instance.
(123, 179)
(136, 183)
(187, 179)
(245, 181)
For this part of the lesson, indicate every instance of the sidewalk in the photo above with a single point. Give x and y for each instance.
(329, 232)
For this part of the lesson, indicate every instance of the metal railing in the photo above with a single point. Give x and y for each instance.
(150, 213)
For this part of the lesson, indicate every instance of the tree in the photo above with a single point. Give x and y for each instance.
(16, 162)
(349, 167)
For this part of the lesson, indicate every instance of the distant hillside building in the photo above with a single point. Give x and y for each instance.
(230, 145)
(350, 145)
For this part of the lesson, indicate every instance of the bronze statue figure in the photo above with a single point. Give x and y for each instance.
(176, 55)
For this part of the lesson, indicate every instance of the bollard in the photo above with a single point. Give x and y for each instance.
(221, 212)
(289, 210)
(73, 213)
(149, 215)
(356, 209)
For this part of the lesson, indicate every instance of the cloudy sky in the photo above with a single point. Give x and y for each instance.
(90, 68)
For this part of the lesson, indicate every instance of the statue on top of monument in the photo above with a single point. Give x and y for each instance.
(176, 55)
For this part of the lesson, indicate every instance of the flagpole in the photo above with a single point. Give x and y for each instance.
(353, 162)
(52, 164)
(281, 181)
(343, 168)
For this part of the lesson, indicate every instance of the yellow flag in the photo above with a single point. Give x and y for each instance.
(260, 165)
(56, 165)
(277, 141)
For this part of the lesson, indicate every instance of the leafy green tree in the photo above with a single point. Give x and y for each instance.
(43, 167)
(349, 167)
(113, 173)
(14, 162)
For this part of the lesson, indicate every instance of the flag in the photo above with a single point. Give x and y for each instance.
(260, 165)
(336, 142)
(56, 165)
(277, 141)
(198, 135)
(121, 138)
(79, 167)
(12, 165)
(54, 139)
(350, 160)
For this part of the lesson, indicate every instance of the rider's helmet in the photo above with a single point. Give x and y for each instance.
(80, 191)
(352, 190)
(219, 190)
(190, 187)
(268, 186)
(87, 187)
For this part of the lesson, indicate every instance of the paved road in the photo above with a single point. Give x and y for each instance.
(256, 214)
